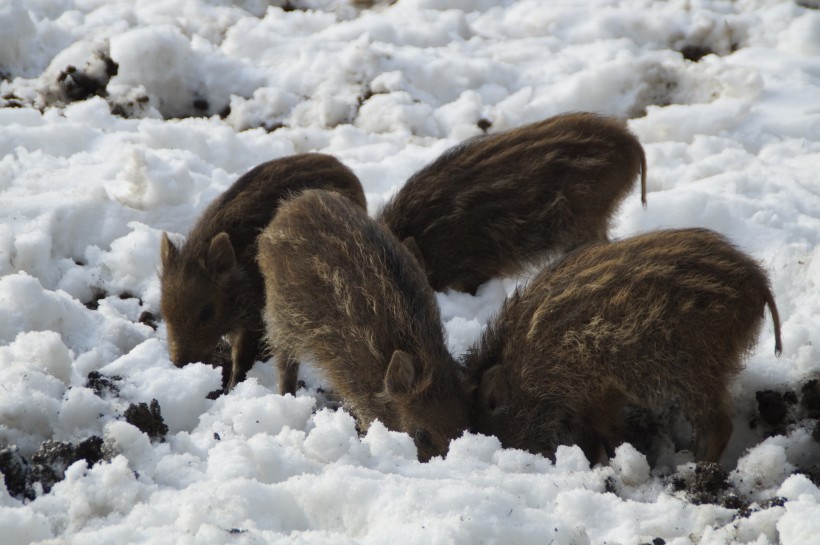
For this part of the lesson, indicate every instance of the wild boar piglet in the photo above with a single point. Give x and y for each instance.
(211, 286)
(494, 204)
(342, 290)
(660, 316)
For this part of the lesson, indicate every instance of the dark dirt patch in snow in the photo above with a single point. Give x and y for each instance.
(656, 541)
(484, 124)
(128, 108)
(91, 450)
(776, 411)
(148, 318)
(695, 53)
(660, 88)
(103, 385)
(708, 484)
(201, 105)
(47, 466)
(746, 510)
(10, 100)
(16, 472)
(97, 295)
(148, 418)
(74, 84)
(79, 85)
(49, 463)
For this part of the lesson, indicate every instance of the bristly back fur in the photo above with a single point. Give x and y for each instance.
(494, 204)
(344, 291)
(211, 286)
(668, 314)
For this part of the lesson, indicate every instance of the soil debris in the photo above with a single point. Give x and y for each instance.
(148, 419)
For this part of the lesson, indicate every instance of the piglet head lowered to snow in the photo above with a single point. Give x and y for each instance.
(211, 285)
(202, 299)
(666, 315)
(430, 406)
(343, 291)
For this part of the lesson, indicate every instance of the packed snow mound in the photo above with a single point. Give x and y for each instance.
(124, 120)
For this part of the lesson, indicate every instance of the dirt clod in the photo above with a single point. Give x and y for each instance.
(102, 384)
(75, 84)
(732, 501)
(47, 466)
(695, 53)
(90, 450)
(272, 127)
(50, 462)
(148, 318)
(777, 501)
(97, 295)
(130, 107)
(16, 472)
(200, 104)
(10, 100)
(708, 483)
(772, 407)
(147, 418)
(656, 541)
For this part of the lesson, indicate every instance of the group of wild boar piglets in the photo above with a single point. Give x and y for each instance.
(288, 263)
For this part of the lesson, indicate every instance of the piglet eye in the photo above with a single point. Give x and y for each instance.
(207, 313)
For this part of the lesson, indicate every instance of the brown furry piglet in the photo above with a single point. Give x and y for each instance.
(342, 290)
(494, 204)
(211, 286)
(668, 314)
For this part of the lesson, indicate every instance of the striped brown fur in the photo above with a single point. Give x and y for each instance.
(342, 290)
(668, 314)
(211, 286)
(494, 204)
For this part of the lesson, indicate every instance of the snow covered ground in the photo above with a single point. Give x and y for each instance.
(120, 119)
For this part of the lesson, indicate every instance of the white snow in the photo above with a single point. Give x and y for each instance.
(206, 89)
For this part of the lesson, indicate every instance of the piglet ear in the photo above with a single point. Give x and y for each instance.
(403, 374)
(221, 256)
(167, 251)
(411, 244)
(494, 390)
